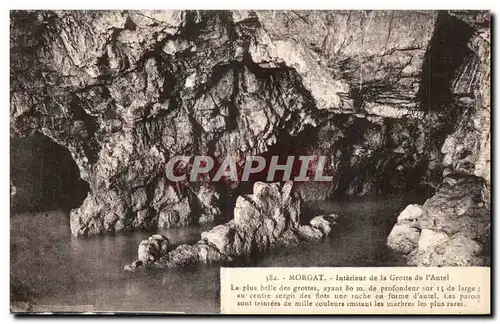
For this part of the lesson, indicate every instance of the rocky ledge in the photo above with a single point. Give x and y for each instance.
(452, 228)
(267, 218)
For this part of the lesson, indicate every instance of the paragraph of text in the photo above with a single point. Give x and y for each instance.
(406, 290)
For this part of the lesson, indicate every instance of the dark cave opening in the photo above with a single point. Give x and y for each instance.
(44, 175)
(447, 51)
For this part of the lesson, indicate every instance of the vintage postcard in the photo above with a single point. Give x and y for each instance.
(250, 161)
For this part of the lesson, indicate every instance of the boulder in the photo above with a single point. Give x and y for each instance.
(429, 239)
(458, 251)
(152, 248)
(452, 228)
(324, 223)
(183, 255)
(410, 215)
(210, 254)
(403, 238)
(309, 233)
(405, 235)
(262, 220)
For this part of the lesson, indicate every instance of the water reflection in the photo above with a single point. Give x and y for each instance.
(59, 269)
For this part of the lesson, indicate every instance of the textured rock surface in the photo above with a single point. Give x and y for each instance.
(124, 91)
(267, 218)
(406, 233)
(451, 229)
(153, 248)
(468, 149)
(454, 227)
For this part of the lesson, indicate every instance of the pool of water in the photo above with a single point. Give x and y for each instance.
(358, 240)
(61, 273)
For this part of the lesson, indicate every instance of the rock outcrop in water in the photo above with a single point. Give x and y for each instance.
(452, 228)
(152, 248)
(265, 219)
(124, 91)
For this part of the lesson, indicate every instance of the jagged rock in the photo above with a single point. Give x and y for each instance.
(210, 254)
(405, 235)
(451, 229)
(430, 238)
(324, 223)
(277, 208)
(182, 256)
(468, 149)
(455, 222)
(332, 40)
(267, 218)
(153, 248)
(124, 91)
(139, 198)
(209, 205)
(309, 233)
(176, 214)
(403, 238)
(259, 220)
(458, 207)
(221, 236)
(459, 251)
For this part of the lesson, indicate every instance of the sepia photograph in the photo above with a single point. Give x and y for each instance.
(163, 160)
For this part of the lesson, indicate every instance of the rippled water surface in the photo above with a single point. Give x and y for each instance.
(59, 272)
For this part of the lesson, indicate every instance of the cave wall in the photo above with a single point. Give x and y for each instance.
(467, 150)
(124, 91)
(453, 227)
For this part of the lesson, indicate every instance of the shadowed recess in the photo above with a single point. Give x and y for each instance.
(44, 175)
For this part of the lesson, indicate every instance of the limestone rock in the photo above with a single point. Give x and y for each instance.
(403, 238)
(455, 222)
(221, 236)
(459, 251)
(429, 239)
(183, 255)
(453, 228)
(410, 215)
(208, 200)
(124, 91)
(309, 233)
(152, 248)
(324, 223)
(459, 207)
(265, 219)
(405, 235)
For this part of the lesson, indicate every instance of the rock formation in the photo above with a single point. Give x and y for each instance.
(395, 99)
(406, 233)
(124, 91)
(452, 228)
(265, 219)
